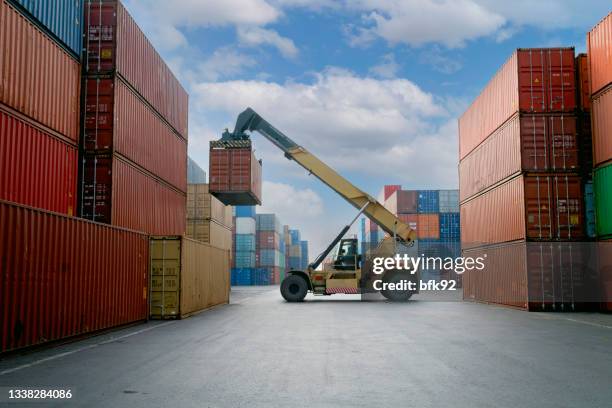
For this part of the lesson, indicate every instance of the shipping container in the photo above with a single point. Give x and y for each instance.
(589, 210)
(428, 226)
(268, 222)
(402, 202)
(187, 276)
(235, 173)
(602, 184)
(295, 236)
(202, 205)
(450, 227)
(551, 276)
(537, 80)
(449, 201)
(268, 240)
(244, 242)
(585, 141)
(533, 207)
(304, 250)
(210, 232)
(65, 276)
(295, 251)
(195, 174)
(524, 143)
(36, 168)
(244, 259)
(295, 263)
(245, 225)
(599, 44)
(429, 201)
(117, 120)
(387, 191)
(39, 78)
(115, 44)
(62, 19)
(115, 192)
(241, 276)
(269, 257)
(245, 211)
(601, 106)
(583, 85)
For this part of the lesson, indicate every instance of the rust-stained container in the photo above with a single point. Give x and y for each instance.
(428, 226)
(113, 191)
(267, 240)
(202, 205)
(601, 111)
(115, 44)
(533, 207)
(535, 276)
(526, 142)
(583, 85)
(64, 276)
(187, 276)
(37, 77)
(36, 168)
(211, 232)
(235, 173)
(403, 202)
(538, 80)
(599, 44)
(411, 219)
(117, 120)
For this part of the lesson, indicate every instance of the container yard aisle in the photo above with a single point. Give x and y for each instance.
(253, 352)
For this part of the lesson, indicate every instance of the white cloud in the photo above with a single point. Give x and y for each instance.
(223, 63)
(387, 68)
(287, 201)
(433, 56)
(418, 22)
(255, 36)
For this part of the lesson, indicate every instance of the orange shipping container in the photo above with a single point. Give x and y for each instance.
(601, 111)
(37, 77)
(428, 226)
(583, 85)
(599, 51)
(535, 80)
(533, 207)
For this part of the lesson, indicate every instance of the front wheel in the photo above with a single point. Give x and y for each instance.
(294, 288)
(396, 278)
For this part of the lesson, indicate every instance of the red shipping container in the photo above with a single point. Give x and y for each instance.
(387, 191)
(115, 44)
(532, 207)
(118, 193)
(411, 219)
(36, 168)
(537, 80)
(524, 143)
(65, 276)
(428, 226)
(117, 120)
(601, 111)
(267, 240)
(403, 202)
(37, 77)
(234, 174)
(552, 276)
(599, 46)
(583, 84)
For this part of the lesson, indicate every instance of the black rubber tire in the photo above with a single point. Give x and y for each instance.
(294, 288)
(396, 295)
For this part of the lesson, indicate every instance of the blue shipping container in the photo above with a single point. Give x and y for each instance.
(244, 259)
(241, 276)
(429, 202)
(294, 263)
(295, 236)
(268, 222)
(63, 19)
(269, 257)
(449, 227)
(304, 261)
(589, 205)
(245, 211)
(245, 242)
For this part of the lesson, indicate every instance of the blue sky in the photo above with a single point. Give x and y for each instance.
(373, 87)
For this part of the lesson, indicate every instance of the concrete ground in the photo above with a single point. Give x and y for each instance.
(333, 352)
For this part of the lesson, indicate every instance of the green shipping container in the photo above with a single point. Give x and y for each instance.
(603, 200)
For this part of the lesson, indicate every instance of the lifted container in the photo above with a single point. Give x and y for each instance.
(235, 173)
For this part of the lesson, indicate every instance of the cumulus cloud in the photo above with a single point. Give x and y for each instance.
(254, 36)
(387, 68)
(223, 63)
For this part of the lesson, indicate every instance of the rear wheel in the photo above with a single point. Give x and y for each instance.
(396, 277)
(294, 288)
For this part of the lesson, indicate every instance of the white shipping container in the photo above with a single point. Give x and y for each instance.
(245, 225)
(449, 201)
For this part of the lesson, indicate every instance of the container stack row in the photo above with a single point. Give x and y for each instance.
(270, 247)
(523, 171)
(208, 219)
(133, 105)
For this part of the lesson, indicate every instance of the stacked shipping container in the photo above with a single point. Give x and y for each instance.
(132, 106)
(208, 219)
(270, 253)
(244, 245)
(521, 177)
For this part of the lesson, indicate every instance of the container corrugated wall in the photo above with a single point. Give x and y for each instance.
(63, 18)
(602, 184)
(38, 77)
(123, 48)
(601, 108)
(599, 44)
(67, 276)
(36, 168)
